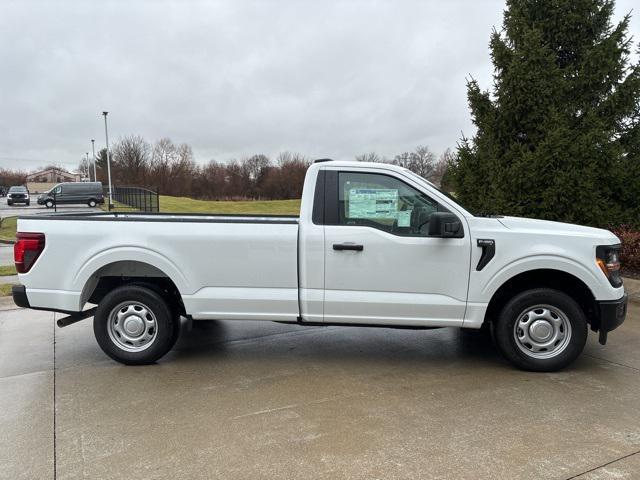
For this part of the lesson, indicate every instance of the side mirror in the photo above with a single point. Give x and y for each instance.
(445, 224)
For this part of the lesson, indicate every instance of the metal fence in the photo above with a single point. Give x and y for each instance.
(133, 198)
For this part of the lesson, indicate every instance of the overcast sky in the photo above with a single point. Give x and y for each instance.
(327, 79)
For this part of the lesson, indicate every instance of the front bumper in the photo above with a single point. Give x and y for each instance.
(612, 313)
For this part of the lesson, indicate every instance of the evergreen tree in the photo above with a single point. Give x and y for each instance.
(558, 137)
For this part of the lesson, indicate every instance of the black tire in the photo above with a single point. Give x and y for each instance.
(523, 308)
(9, 203)
(167, 327)
(92, 203)
(49, 203)
(28, 203)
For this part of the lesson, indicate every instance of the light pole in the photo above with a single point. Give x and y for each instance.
(106, 136)
(93, 151)
(87, 166)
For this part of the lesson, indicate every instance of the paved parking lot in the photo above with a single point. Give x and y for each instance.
(264, 400)
(6, 254)
(34, 208)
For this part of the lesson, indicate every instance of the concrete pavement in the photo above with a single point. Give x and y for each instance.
(264, 400)
(34, 208)
(6, 254)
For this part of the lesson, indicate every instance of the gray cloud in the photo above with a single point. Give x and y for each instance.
(236, 78)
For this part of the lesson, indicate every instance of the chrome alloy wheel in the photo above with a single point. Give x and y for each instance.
(132, 326)
(542, 331)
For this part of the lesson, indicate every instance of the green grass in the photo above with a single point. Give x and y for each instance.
(6, 270)
(5, 289)
(254, 207)
(170, 204)
(8, 228)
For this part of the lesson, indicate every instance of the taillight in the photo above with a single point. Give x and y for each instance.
(27, 249)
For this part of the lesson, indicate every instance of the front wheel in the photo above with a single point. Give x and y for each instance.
(49, 203)
(135, 326)
(541, 330)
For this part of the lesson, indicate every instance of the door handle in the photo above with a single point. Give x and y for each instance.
(348, 246)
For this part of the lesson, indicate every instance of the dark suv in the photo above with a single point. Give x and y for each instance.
(18, 194)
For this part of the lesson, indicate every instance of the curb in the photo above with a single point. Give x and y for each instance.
(7, 242)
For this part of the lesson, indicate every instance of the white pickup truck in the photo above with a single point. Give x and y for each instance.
(374, 245)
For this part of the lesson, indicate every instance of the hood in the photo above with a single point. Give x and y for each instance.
(530, 225)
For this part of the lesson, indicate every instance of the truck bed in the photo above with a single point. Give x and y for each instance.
(224, 266)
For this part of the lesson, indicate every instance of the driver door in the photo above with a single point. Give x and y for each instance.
(381, 267)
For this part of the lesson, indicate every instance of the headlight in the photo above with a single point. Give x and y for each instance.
(608, 259)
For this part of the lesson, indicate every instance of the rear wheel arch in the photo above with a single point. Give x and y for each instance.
(129, 272)
(545, 278)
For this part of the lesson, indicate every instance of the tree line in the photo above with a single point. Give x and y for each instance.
(10, 177)
(171, 169)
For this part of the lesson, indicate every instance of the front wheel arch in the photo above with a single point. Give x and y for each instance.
(545, 278)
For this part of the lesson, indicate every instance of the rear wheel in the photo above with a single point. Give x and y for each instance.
(92, 203)
(541, 330)
(135, 326)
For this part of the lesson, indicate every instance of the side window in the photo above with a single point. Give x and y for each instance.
(58, 190)
(383, 202)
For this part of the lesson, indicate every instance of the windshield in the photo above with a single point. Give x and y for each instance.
(443, 192)
(17, 190)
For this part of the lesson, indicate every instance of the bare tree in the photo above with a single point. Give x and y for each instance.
(9, 178)
(163, 155)
(83, 167)
(442, 166)
(421, 161)
(370, 157)
(130, 158)
(256, 168)
(183, 171)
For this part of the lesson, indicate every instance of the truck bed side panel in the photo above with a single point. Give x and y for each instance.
(222, 270)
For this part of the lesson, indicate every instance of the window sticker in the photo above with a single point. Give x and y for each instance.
(404, 218)
(373, 203)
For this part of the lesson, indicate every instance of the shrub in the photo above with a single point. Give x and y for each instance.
(630, 255)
